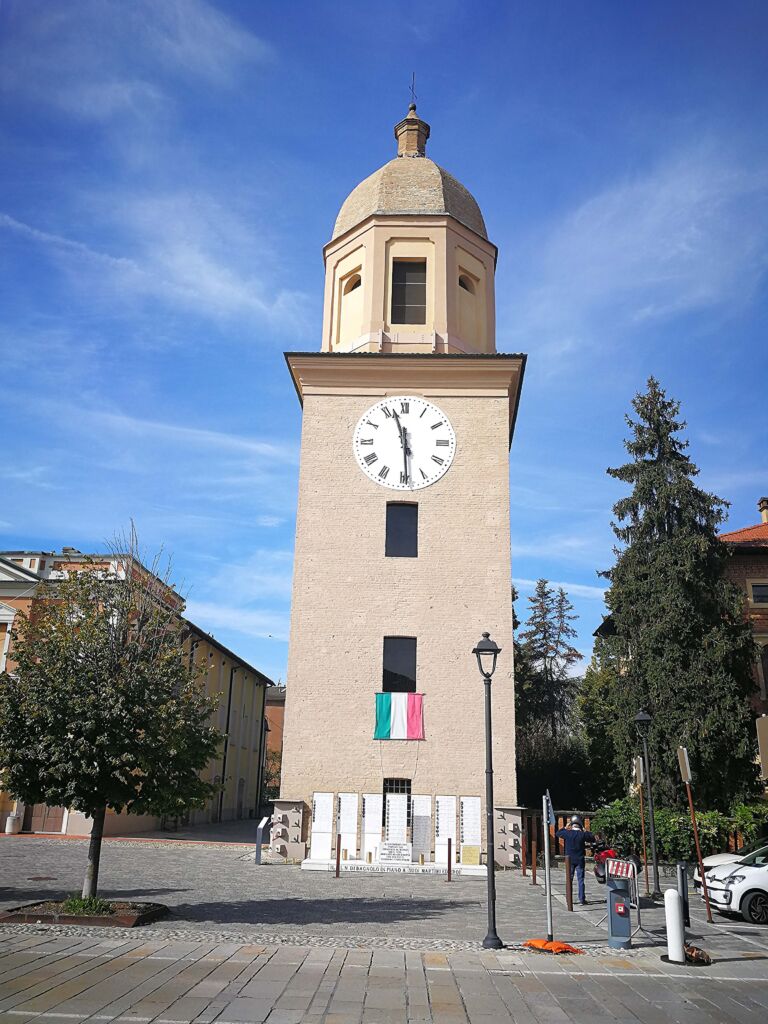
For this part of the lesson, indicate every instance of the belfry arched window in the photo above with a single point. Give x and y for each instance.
(469, 314)
(350, 323)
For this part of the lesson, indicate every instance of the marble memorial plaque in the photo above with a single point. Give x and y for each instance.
(445, 827)
(397, 818)
(372, 809)
(322, 826)
(421, 829)
(395, 853)
(469, 815)
(346, 823)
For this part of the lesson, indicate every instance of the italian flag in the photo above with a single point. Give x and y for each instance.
(399, 716)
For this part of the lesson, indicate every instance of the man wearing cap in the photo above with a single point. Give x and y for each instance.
(576, 838)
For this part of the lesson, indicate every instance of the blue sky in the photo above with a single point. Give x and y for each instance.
(171, 170)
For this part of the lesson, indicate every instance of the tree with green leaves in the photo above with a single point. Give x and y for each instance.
(595, 707)
(103, 709)
(685, 646)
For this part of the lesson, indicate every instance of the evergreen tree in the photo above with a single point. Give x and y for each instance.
(596, 708)
(103, 708)
(686, 648)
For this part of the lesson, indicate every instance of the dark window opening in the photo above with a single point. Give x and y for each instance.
(409, 292)
(399, 787)
(399, 674)
(466, 284)
(402, 537)
(354, 282)
(760, 593)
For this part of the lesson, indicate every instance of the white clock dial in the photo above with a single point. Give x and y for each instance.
(404, 443)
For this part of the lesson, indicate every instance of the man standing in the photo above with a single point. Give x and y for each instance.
(576, 839)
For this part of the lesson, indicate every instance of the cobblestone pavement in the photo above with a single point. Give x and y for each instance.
(48, 979)
(247, 943)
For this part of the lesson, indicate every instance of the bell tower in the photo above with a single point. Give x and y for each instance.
(409, 267)
(402, 555)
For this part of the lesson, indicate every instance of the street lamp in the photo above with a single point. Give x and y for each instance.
(642, 725)
(487, 653)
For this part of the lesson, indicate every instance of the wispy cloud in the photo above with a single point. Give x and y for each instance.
(572, 589)
(263, 624)
(688, 235)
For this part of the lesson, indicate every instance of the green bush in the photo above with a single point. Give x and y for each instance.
(620, 824)
(751, 820)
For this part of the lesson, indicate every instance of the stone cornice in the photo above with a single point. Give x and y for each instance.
(435, 376)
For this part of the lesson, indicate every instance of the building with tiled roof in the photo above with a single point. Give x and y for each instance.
(748, 569)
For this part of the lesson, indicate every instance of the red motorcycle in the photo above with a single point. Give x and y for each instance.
(603, 852)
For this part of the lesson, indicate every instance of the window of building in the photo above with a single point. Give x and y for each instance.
(396, 786)
(402, 538)
(354, 282)
(760, 593)
(399, 674)
(466, 283)
(409, 292)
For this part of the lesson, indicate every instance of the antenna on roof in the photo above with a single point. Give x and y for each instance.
(413, 90)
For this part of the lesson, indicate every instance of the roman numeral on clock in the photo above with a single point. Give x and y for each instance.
(440, 444)
(383, 472)
(387, 412)
(369, 440)
(404, 406)
(423, 474)
(438, 460)
(438, 424)
(370, 459)
(374, 425)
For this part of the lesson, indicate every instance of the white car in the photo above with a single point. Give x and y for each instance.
(741, 887)
(716, 859)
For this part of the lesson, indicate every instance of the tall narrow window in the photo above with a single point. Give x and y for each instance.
(409, 292)
(399, 674)
(398, 787)
(402, 539)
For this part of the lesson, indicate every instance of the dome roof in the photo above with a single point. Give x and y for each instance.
(411, 183)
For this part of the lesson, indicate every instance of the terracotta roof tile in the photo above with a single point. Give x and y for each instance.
(751, 536)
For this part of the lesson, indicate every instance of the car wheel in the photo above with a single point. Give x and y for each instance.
(754, 908)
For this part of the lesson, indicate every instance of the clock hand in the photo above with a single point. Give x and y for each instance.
(404, 443)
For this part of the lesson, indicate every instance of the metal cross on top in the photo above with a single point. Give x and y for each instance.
(413, 88)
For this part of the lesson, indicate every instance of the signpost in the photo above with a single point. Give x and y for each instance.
(260, 838)
(685, 773)
(549, 819)
(639, 774)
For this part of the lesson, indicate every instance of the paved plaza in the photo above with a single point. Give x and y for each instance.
(247, 943)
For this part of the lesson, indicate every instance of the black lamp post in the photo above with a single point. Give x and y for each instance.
(487, 652)
(643, 724)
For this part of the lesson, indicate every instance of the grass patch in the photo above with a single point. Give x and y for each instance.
(79, 906)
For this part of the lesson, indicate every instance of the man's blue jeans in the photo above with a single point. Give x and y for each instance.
(578, 867)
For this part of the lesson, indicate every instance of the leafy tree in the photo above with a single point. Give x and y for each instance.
(686, 647)
(272, 767)
(103, 708)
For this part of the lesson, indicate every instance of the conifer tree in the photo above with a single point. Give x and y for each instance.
(687, 649)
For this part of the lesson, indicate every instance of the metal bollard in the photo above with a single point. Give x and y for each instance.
(682, 888)
(673, 912)
(450, 865)
(338, 854)
(523, 851)
(533, 862)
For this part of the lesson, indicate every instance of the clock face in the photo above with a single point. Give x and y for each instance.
(404, 443)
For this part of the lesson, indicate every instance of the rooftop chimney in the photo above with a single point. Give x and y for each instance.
(70, 551)
(411, 134)
(762, 506)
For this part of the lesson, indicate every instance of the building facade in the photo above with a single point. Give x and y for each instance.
(748, 569)
(24, 576)
(402, 554)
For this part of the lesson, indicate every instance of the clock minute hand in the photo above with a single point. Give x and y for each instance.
(404, 444)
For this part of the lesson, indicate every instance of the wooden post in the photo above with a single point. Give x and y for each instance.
(450, 857)
(645, 848)
(568, 884)
(533, 862)
(523, 851)
(338, 854)
(698, 853)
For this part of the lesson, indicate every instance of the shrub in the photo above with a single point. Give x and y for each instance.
(620, 823)
(751, 820)
(79, 906)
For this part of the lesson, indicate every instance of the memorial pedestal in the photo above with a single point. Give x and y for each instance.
(286, 837)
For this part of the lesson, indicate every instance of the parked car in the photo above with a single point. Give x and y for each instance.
(715, 859)
(741, 887)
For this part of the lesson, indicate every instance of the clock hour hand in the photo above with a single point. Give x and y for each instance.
(404, 443)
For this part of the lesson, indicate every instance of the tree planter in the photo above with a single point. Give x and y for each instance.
(126, 915)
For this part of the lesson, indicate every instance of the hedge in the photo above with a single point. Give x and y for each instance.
(619, 822)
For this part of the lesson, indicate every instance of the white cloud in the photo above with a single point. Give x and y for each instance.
(689, 235)
(269, 522)
(212, 616)
(572, 589)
